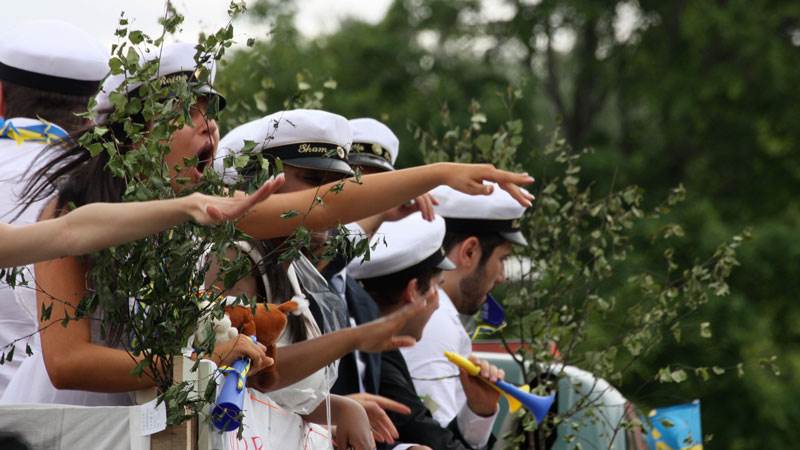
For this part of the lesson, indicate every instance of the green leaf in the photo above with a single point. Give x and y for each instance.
(484, 143)
(47, 310)
(136, 37)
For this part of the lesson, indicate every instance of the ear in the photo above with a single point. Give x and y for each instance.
(2, 101)
(469, 253)
(410, 293)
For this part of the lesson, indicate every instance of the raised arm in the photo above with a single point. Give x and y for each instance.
(99, 225)
(299, 360)
(377, 193)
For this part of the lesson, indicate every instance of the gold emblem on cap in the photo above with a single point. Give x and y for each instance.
(358, 148)
(377, 149)
(340, 152)
(515, 224)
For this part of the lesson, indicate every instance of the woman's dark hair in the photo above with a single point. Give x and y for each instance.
(386, 290)
(279, 286)
(78, 177)
(60, 109)
(488, 243)
(74, 174)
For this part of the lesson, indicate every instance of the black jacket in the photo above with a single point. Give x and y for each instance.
(418, 427)
(362, 309)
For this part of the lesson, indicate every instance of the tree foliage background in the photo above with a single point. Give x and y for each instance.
(694, 92)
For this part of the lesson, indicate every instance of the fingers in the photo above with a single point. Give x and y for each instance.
(382, 426)
(391, 405)
(425, 205)
(384, 423)
(215, 214)
(268, 188)
(504, 176)
(241, 206)
(401, 342)
(522, 196)
(488, 370)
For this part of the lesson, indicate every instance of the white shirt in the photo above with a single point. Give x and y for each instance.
(436, 378)
(18, 315)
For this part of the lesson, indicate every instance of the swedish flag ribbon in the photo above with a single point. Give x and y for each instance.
(39, 132)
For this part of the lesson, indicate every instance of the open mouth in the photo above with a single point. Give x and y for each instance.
(204, 157)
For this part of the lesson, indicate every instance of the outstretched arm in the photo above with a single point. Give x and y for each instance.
(299, 360)
(377, 193)
(99, 225)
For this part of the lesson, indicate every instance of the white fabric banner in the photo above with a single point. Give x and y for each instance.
(268, 426)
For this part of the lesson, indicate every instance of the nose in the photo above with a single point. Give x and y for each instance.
(501, 275)
(209, 127)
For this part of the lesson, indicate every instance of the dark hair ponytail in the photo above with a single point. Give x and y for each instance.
(77, 177)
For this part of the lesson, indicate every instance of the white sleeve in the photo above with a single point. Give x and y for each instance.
(403, 446)
(356, 232)
(475, 429)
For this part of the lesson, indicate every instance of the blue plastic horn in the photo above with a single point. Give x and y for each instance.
(226, 414)
(538, 405)
(516, 396)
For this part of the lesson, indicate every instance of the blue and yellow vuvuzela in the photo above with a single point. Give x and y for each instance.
(515, 395)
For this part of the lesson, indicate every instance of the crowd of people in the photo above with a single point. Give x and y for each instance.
(442, 232)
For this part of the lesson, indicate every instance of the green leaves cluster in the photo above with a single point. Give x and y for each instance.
(148, 294)
(583, 293)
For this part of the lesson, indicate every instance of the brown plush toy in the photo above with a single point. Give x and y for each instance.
(242, 319)
(267, 325)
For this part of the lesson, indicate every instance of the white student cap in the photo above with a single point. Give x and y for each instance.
(53, 56)
(478, 215)
(411, 244)
(374, 144)
(305, 138)
(175, 59)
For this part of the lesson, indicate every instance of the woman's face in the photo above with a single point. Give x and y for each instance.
(198, 139)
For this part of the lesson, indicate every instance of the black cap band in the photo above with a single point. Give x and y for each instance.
(482, 226)
(308, 150)
(49, 83)
(372, 149)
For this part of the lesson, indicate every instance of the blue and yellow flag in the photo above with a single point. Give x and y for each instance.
(676, 428)
(41, 132)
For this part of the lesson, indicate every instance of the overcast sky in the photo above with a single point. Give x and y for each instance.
(100, 17)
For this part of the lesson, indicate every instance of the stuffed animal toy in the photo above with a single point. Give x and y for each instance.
(268, 324)
(222, 327)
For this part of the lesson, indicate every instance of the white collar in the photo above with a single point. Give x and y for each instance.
(446, 304)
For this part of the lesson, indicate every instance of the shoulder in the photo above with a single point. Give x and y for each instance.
(50, 209)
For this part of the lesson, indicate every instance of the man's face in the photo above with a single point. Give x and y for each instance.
(476, 285)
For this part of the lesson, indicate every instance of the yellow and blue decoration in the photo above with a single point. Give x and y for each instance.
(226, 413)
(676, 428)
(42, 132)
(493, 318)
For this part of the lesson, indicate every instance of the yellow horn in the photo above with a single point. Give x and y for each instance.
(474, 370)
